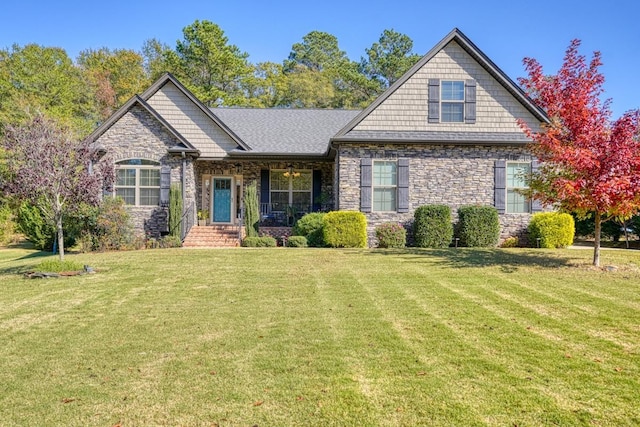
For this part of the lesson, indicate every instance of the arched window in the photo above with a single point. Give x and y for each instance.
(138, 182)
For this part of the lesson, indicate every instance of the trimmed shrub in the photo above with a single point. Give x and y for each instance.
(251, 210)
(554, 229)
(310, 226)
(478, 226)
(510, 242)
(345, 229)
(391, 235)
(297, 242)
(432, 226)
(259, 242)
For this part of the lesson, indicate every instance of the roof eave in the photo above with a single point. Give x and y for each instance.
(476, 53)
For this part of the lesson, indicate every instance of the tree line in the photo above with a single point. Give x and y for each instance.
(83, 92)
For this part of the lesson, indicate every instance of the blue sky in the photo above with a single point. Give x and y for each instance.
(506, 31)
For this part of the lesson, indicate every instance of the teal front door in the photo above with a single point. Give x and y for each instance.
(221, 199)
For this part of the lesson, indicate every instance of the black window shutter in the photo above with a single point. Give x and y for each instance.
(536, 206)
(165, 183)
(316, 190)
(434, 100)
(403, 185)
(365, 184)
(500, 185)
(470, 101)
(265, 178)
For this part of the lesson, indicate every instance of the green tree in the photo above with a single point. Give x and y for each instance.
(157, 58)
(320, 75)
(116, 75)
(267, 87)
(36, 78)
(209, 66)
(389, 58)
(317, 52)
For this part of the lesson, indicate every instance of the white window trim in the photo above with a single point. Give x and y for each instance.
(508, 188)
(454, 101)
(374, 186)
(137, 187)
(290, 189)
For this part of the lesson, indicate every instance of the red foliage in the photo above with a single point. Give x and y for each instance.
(591, 163)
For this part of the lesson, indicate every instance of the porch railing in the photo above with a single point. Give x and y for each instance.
(281, 215)
(188, 220)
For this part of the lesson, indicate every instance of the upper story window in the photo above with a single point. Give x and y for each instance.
(517, 180)
(385, 184)
(138, 182)
(452, 101)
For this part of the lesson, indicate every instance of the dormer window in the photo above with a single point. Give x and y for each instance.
(452, 101)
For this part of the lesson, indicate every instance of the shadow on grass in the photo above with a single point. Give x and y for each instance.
(507, 260)
(21, 269)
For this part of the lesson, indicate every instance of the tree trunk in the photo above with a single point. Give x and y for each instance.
(596, 242)
(60, 235)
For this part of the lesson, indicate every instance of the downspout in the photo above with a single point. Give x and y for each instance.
(184, 189)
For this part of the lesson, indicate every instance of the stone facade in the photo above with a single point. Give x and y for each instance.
(247, 171)
(138, 135)
(451, 175)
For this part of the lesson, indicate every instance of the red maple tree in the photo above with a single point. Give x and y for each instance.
(590, 164)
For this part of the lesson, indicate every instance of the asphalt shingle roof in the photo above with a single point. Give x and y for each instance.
(283, 130)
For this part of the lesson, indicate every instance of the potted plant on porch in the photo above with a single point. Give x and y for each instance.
(203, 217)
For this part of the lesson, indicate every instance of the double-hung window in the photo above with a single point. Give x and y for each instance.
(138, 182)
(452, 101)
(291, 188)
(518, 174)
(385, 185)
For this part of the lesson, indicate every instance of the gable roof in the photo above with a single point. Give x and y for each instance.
(168, 77)
(465, 43)
(151, 90)
(284, 131)
(184, 146)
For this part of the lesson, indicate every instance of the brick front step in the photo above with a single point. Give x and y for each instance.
(212, 236)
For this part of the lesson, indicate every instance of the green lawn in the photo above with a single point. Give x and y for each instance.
(278, 337)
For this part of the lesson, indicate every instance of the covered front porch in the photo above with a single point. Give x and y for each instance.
(287, 190)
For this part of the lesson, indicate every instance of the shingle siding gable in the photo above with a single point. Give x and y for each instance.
(407, 108)
(192, 123)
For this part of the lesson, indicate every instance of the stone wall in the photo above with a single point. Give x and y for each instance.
(138, 135)
(450, 175)
(249, 170)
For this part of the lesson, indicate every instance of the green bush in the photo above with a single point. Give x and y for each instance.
(310, 226)
(8, 226)
(259, 242)
(554, 229)
(41, 233)
(432, 226)
(345, 229)
(175, 210)
(113, 229)
(510, 242)
(297, 242)
(478, 226)
(251, 210)
(391, 235)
